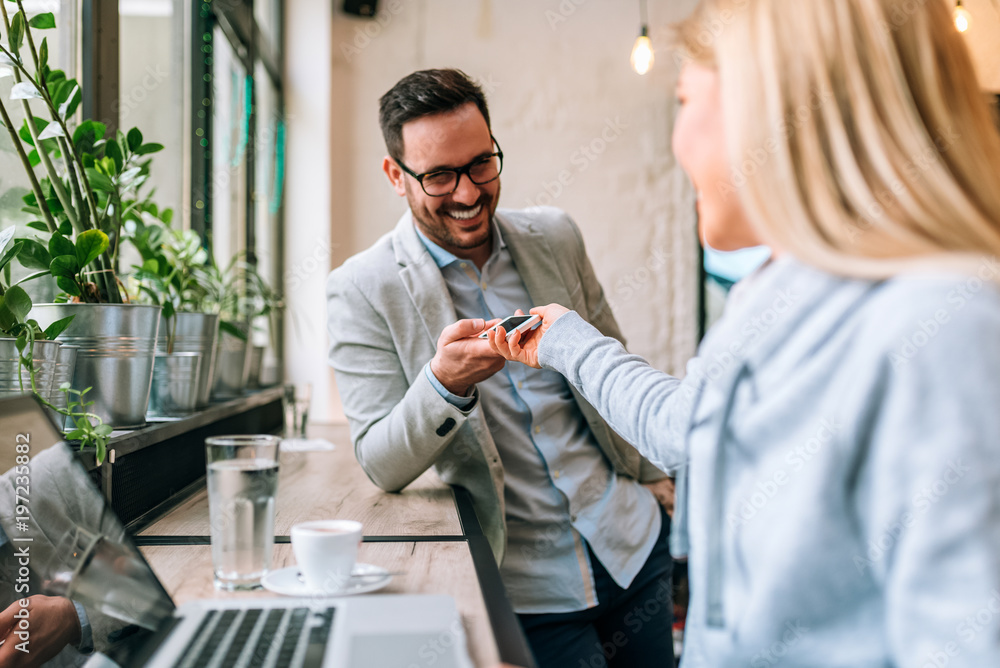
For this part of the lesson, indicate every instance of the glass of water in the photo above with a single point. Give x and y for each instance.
(296, 400)
(242, 484)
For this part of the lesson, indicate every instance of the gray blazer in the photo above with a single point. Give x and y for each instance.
(387, 307)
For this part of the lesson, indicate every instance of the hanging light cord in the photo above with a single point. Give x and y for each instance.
(643, 15)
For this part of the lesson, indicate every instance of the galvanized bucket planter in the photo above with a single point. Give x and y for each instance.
(115, 357)
(15, 380)
(195, 333)
(232, 367)
(175, 384)
(65, 367)
(256, 365)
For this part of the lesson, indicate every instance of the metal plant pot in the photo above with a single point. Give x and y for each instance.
(175, 384)
(15, 380)
(256, 364)
(115, 356)
(195, 333)
(232, 367)
(65, 367)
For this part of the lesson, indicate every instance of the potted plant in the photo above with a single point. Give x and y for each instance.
(223, 293)
(77, 199)
(262, 306)
(24, 346)
(168, 277)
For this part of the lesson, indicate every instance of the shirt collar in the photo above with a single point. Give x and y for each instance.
(443, 258)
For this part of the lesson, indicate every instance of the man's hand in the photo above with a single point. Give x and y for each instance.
(663, 490)
(52, 624)
(463, 359)
(526, 350)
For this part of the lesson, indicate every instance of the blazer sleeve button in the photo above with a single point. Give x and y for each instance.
(446, 426)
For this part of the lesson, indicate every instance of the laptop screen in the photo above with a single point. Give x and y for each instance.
(59, 537)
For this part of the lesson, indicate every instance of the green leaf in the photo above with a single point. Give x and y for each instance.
(68, 108)
(113, 151)
(146, 149)
(232, 329)
(151, 265)
(38, 225)
(64, 266)
(65, 228)
(11, 253)
(34, 159)
(87, 134)
(68, 286)
(57, 328)
(34, 255)
(43, 54)
(17, 302)
(99, 181)
(134, 139)
(16, 35)
(60, 245)
(25, 132)
(43, 21)
(89, 245)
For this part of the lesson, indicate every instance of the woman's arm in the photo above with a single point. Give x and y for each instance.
(647, 407)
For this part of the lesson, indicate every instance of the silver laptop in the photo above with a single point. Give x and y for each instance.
(53, 517)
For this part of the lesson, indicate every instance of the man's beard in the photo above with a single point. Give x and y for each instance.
(438, 230)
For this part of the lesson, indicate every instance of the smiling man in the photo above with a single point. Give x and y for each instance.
(580, 542)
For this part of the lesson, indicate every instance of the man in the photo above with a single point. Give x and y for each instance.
(580, 543)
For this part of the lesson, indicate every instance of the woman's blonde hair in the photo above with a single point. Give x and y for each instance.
(859, 138)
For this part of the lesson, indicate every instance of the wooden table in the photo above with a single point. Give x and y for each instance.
(324, 485)
(428, 532)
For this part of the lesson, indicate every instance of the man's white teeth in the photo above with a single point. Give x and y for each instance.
(467, 214)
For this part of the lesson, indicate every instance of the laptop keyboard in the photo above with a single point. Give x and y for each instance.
(260, 638)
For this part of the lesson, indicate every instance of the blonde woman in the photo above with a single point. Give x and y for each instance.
(837, 439)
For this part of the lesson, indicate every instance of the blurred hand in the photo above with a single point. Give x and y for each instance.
(663, 490)
(52, 624)
(463, 359)
(524, 348)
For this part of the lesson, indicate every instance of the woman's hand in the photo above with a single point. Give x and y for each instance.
(526, 350)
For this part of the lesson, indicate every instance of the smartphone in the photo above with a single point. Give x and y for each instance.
(519, 323)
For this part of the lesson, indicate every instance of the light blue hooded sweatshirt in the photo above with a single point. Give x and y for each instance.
(837, 447)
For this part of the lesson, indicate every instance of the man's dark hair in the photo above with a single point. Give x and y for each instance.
(422, 94)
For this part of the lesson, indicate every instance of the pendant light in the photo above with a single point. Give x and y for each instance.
(962, 17)
(642, 52)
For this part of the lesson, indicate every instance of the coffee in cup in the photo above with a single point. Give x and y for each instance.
(325, 551)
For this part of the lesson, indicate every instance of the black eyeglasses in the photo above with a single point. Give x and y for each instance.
(443, 182)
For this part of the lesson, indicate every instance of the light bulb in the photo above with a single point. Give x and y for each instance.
(962, 17)
(642, 53)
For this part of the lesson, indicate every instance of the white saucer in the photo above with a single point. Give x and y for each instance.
(365, 578)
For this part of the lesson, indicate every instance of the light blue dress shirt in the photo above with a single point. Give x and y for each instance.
(559, 489)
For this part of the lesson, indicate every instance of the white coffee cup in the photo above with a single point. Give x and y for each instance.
(325, 551)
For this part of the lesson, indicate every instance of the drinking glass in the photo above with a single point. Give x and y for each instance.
(242, 484)
(295, 401)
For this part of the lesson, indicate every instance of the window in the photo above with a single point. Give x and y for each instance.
(153, 81)
(62, 43)
(201, 78)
